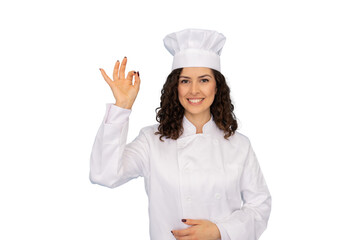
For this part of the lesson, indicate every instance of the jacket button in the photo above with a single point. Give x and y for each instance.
(215, 141)
(217, 196)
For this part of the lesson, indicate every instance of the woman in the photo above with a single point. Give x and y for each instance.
(202, 177)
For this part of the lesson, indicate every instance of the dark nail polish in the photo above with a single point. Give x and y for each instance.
(138, 74)
(134, 72)
(118, 61)
(125, 57)
(100, 69)
(172, 233)
(183, 220)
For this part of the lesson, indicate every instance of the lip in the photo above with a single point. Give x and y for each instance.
(196, 103)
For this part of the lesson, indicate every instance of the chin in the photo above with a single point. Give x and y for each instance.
(192, 111)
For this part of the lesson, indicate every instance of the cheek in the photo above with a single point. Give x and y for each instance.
(211, 91)
(181, 92)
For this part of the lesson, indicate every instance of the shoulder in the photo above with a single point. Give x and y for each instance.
(239, 139)
(150, 130)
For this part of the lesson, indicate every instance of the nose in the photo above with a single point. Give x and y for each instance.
(194, 88)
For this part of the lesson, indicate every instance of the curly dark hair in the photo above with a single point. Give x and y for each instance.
(170, 113)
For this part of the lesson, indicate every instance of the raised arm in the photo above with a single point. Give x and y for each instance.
(112, 161)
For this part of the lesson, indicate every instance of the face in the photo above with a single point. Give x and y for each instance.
(196, 90)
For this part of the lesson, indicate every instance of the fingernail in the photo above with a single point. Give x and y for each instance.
(183, 220)
(125, 57)
(118, 61)
(138, 74)
(172, 233)
(100, 69)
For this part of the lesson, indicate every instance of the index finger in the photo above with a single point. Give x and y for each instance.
(122, 68)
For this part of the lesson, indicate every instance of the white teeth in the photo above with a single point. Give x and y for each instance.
(195, 100)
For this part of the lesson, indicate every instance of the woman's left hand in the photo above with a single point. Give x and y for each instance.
(200, 229)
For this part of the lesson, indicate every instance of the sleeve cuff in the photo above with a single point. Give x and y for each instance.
(115, 114)
(223, 233)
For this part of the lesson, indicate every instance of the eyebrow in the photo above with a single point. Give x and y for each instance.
(206, 75)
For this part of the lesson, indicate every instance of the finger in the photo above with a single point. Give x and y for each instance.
(122, 68)
(192, 221)
(137, 81)
(182, 233)
(106, 77)
(116, 70)
(130, 75)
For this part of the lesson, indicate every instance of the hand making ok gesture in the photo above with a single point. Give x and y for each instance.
(123, 89)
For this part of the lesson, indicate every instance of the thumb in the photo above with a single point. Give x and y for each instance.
(137, 81)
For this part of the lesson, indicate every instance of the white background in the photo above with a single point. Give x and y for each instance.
(293, 69)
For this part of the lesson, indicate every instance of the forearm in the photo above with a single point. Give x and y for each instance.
(108, 148)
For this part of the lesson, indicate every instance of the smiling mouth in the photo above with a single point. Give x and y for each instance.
(195, 100)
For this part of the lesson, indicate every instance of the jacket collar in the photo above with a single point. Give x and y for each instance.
(189, 128)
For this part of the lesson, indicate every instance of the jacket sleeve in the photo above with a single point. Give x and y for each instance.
(112, 161)
(250, 221)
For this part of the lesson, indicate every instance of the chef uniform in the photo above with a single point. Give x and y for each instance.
(197, 176)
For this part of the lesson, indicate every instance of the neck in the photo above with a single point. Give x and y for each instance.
(198, 120)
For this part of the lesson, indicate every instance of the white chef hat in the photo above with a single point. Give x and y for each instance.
(195, 48)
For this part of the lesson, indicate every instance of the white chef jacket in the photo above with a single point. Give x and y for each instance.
(197, 176)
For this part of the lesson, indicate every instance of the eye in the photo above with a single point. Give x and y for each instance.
(184, 81)
(204, 80)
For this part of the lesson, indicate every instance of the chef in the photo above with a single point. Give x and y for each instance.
(202, 177)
